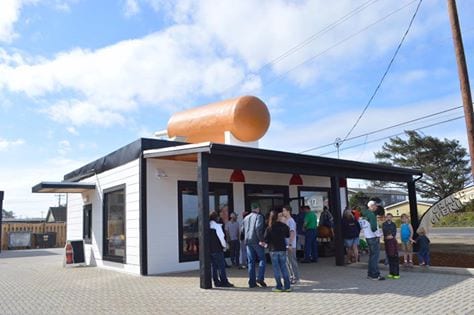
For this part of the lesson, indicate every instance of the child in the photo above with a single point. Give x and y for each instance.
(423, 247)
(406, 235)
(391, 246)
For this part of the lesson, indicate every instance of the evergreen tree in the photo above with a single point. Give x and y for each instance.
(444, 163)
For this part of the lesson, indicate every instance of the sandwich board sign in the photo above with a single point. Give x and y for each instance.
(74, 253)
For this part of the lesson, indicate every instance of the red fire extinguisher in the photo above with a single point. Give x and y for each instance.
(69, 253)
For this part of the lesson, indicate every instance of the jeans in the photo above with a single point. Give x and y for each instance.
(424, 257)
(394, 265)
(235, 252)
(310, 246)
(219, 275)
(280, 270)
(374, 253)
(293, 264)
(255, 253)
(243, 252)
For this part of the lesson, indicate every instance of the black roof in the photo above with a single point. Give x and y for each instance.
(59, 214)
(252, 159)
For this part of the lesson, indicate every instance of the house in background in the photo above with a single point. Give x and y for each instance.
(57, 214)
(399, 208)
(388, 196)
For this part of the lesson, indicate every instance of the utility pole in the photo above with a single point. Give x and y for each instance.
(463, 78)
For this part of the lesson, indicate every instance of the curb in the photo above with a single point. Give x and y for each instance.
(432, 269)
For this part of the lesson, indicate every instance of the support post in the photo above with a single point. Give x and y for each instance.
(336, 207)
(203, 221)
(1, 217)
(463, 78)
(415, 222)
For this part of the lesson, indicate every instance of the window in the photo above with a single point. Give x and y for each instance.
(87, 224)
(114, 224)
(315, 198)
(269, 197)
(220, 194)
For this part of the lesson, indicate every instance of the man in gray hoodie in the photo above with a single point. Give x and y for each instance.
(253, 228)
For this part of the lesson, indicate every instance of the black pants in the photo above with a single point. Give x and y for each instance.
(394, 265)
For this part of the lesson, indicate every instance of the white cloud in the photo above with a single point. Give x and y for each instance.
(7, 144)
(9, 14)
(64, 147)
(72, 130)
(131, 8)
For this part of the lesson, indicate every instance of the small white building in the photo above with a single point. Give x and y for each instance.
(144, 208)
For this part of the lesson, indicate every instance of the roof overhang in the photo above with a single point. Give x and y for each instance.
(62, 187)
(186, 152)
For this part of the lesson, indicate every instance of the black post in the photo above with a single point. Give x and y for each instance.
(1, 216)
(203, 221)
(336, 206)
(415, 222)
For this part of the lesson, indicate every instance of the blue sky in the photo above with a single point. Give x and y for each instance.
(80, 78)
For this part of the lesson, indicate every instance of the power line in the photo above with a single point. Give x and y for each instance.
(385, 73)
(385, 128)
(279, 77)
(311, 38)
(395, 135)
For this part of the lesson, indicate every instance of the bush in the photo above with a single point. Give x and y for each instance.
(457, 219)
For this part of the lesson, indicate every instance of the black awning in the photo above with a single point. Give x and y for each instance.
(62, 187)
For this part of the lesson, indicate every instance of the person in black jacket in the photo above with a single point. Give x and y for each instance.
(350, 233)
(275, 238)
(217, 246)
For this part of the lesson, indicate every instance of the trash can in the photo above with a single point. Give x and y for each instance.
(45, 240)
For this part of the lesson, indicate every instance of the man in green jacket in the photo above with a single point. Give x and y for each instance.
(372, 237)
(311, 243)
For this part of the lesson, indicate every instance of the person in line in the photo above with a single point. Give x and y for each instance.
(311, 244)
(368, 223)
(350, 233)
(253, 229)
(423, 247)
(406, 235)
(291, 241)
(300, 241)
(243, 249)
(233, 231)
(326, 223)
(223, 219)
(217, 247)
(391, 246)
(275, 237)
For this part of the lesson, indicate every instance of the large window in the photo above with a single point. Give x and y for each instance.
(114, 224)
(315, 198)
(87, 224)
(220, 194)
(268, 196)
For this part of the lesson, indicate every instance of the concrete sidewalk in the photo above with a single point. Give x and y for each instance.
(34, 282)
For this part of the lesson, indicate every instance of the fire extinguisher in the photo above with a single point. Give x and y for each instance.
(69, 253)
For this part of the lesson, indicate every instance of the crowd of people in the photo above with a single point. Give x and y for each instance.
(282, 233)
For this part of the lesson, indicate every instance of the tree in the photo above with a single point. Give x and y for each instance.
(444, 163)
(7, 214)
(359, 200)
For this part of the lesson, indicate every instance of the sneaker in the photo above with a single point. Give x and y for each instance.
(277, 290)
(226, 285)
(287, 290)
(396, 277)
(294, 281)
(379, 278)
(262, 283)
(390, 276)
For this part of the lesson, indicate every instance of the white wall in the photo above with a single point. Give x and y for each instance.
(127, 174)
(162, 206)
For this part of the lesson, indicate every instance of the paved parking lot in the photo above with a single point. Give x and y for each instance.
(34, 282)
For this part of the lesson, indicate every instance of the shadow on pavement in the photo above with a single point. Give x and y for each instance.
(30, 253)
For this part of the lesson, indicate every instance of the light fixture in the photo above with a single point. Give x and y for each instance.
(159, 173)
(237, 176)
(296, 180)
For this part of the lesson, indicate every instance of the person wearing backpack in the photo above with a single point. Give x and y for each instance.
(350, 233)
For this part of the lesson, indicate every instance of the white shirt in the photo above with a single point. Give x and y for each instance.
(368, 233)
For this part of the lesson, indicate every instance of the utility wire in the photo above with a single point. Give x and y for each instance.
(385, 128)
(384, 75)
(311, 38)
(395, 135)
